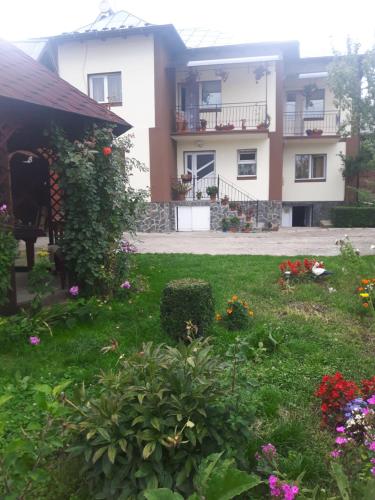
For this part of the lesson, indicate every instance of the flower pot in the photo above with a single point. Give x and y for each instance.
(213, 197)
(186, 177)
(224, 201)
(181, 196)
(233, 229)
(314, 133)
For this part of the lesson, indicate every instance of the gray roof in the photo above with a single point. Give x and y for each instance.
(113, 21)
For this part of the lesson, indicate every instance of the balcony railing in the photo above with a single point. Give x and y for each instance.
(221, 117)
(312, 123)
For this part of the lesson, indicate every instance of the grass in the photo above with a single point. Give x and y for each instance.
(317, 332)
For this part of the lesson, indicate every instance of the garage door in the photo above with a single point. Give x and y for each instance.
(192, 218)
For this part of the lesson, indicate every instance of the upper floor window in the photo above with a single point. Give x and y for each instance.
(106, 87)
(311, 167)
(247, 163)
(210, 94)
(314, 105)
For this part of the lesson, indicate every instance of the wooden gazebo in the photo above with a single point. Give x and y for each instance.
(31, 99)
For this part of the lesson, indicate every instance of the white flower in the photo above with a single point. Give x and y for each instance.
(332, 290)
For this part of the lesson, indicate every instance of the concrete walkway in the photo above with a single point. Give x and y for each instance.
(286, 241)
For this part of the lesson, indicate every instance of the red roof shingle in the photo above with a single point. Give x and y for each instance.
(24, 79)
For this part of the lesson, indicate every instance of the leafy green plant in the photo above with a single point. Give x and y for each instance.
(234, 222)
(216, 479)
(95, 217)
(8, 248)
(183, 301)
(156, 419)
(212, 190)
(225, 224)
(39, 280)
(237, 314)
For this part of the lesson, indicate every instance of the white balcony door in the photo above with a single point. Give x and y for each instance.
(201, 165)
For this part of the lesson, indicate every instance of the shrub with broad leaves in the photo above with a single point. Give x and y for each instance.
(156, 419)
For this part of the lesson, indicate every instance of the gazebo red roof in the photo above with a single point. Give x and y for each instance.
(24, 79)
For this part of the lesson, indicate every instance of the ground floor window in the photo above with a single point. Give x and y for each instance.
(311, 167)
(246, 163)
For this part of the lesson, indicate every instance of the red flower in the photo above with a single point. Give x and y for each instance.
(107, 151)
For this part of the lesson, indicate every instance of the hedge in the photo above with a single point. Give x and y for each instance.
(353, 216)
(183, 301)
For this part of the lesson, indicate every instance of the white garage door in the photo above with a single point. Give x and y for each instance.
(192, 218)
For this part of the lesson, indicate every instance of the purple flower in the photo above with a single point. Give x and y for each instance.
(74, 291)
(3, 208)
(289, 491)
(126, 285)
(372, 470)
(335, 453)
(34, 340)
(269, 450)
(341, 428)
(371, 401)
(341, 440)
(371, 446)
(272, 480)
(372, 460)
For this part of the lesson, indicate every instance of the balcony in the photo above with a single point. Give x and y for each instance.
(311, 124)
(246, 116)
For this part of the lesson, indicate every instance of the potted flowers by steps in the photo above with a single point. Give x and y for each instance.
(232, 206)
(180, 189)
(225, 200)
(212, 192)
(234, 224)
(247, 228)
(225, 224)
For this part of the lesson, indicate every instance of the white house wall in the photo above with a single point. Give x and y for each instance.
(226, 160)
(134, 57)
(333, 189)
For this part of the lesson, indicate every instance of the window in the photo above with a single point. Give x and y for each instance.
(291, 98)
(310, 167)
(314, 106)
(106, 88)
(210, 94)
(247, 163)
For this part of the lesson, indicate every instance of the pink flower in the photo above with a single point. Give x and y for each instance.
(34, 340)
(340, 429)
(269, 450)
(341, 440)
(289, 491)
(272, 480)
(371, 401)
(3, 208)
(126, 285)
(335, 453)
(372, 470)
(74, 291)
(372, 460)
(371, 446)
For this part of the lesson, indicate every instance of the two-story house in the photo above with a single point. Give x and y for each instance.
(256, 120)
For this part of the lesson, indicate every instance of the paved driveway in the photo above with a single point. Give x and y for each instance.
(286, 241)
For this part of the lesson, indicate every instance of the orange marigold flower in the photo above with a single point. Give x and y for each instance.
(218, 317)
(229, 311)
(365, 304)
(365, 282)
(360, 288)
(234, 298)
(250, 313)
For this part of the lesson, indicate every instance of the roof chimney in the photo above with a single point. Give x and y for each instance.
(105, 9)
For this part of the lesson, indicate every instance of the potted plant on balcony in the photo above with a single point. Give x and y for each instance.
(212, 192)
(314, 132)
(264, 126)
(186, 177)
(224, 128)
(181, 123)
(199, 195)
(180, 189)
(234, 224)
(203, 124)
(243, 123)
(225, 200)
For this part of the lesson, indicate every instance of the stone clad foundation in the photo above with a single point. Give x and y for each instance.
(160, 217)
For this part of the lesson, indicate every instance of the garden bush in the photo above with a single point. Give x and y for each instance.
(8, 248)
(156, 419)
(353, 216)
(187, 301)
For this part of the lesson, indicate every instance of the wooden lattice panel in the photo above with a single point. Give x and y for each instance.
(56, 194)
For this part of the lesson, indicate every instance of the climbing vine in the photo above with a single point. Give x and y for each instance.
(98, 203)
(8, 248)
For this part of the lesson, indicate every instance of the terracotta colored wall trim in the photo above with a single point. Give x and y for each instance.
(352, 149)
(276, 141)
(163, 158)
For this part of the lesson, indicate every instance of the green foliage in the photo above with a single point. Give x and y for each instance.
(8, 248)
(216, 479)
(156, 419)
(183, 301)
(237, 314)
(39, 281)
(98, 203)
(234, 221)
(26, 461)
(212, 190)
(353, 216)
(341, 479)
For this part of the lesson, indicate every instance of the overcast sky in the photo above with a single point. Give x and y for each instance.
(319, 25)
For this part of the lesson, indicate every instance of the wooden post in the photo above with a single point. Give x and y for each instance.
(6, 195)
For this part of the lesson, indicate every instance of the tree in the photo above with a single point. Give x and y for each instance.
(352, 80)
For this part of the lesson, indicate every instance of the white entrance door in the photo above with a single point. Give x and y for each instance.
(201, 166)
(192, 218)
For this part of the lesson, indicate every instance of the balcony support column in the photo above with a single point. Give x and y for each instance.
(276, 141)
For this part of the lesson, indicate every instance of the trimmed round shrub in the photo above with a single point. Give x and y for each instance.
(184, 301)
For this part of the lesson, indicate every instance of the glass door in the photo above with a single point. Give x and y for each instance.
(201, 166)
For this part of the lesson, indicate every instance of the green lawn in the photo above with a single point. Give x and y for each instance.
(317, 332)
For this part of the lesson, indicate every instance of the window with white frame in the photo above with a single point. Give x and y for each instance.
(210, 94)
(247, 163)
(106, 87)
(311, 167)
